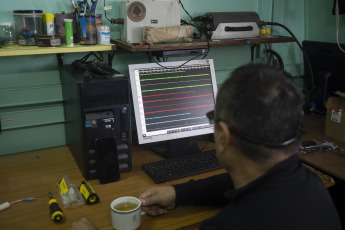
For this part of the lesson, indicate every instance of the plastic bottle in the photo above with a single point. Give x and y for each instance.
(103, 35)
(48, 19)
(69, 32)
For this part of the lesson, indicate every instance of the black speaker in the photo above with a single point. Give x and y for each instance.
(341, 5)
(97, 123)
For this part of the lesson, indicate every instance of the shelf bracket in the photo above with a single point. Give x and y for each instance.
(110, 58)
(252, 52)
(60, 59)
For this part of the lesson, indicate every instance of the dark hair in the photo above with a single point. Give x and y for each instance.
(264, 103)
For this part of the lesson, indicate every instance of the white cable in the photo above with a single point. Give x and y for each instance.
(337, 24)
(4, 206)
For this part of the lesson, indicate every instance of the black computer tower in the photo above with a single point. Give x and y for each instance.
(97, 108)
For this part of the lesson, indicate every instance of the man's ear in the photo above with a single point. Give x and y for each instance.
(224, 136)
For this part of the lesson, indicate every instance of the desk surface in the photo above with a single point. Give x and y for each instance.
(332, 162)
(33, 174)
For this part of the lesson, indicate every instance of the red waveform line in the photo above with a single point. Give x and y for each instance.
(157, 106)
(180, 98)
(164, 94)
(168, 110)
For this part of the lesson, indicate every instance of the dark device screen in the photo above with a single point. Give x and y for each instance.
(107, 160)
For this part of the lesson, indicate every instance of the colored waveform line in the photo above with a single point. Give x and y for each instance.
(177, 71)
(184, 103)
(166, 94)
(173, 115)
(169, 110)
(173, 126)
(175, 82)
(177, 98)
(181, 87)
(165, 78)
(185, 119)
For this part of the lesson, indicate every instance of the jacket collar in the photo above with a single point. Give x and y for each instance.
(279, 170)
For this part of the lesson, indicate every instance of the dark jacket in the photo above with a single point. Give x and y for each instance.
(288, 196)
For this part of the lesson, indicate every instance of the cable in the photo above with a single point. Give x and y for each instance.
(6, 205)
(208, 48)
(166, 67)
(192, 20)
(84, 63)
(312, 88)
(105, 13)
(280, 63)
(337, 24)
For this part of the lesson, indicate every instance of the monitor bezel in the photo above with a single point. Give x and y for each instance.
(171, 136)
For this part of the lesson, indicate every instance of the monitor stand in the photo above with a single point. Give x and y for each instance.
(176, 148)
(320, 108)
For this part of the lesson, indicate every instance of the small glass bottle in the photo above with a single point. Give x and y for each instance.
(7, 34)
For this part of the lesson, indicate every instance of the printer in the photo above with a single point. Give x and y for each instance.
(229, 25)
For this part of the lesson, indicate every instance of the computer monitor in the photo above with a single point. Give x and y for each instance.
(326, 73)
(170, 101)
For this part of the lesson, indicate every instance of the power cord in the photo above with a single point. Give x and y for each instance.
(105, 13)
(176, 67)
(312, 87)
(192, 20)
(183, 22)
(279, 61)
(337, 24)
(95, 68)
(84, 63)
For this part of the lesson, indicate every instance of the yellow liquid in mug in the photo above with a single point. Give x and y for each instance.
(125, 206)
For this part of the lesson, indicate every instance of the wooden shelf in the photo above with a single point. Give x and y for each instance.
(200, 44)
(35, 50)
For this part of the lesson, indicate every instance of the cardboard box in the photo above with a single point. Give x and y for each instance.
(335, 118)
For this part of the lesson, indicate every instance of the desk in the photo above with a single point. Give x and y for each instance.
(34, 173)
(331, 163)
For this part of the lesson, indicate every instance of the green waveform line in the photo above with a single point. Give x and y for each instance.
(182, 87)
(176, 82)
(177, 71)
(185, 119)
(164, 78)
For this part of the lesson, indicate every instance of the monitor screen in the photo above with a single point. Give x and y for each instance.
(326, 59)
(171, 99)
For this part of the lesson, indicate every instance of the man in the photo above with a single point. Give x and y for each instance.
(257, 121)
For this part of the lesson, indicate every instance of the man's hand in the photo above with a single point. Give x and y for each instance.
(83, 224)
(158, 200)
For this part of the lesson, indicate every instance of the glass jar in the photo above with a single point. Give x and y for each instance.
(29, 23)
(87, 30)
(7, 34)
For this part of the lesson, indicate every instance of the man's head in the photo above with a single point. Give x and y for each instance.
(262, 107)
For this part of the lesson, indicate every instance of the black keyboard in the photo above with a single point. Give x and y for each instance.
(173, 168)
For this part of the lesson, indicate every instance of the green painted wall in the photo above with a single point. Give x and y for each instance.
(320, 24)
(31, 106)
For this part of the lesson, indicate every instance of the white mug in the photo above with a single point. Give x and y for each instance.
(126, 219)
